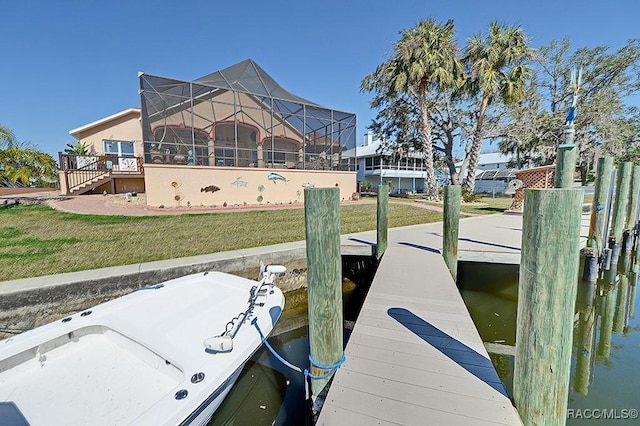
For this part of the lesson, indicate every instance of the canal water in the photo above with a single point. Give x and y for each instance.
(605, 359)
(605, 369)
(269, 393)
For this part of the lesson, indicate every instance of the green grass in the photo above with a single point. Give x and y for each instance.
(37, 240)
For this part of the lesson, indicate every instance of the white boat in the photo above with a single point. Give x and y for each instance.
(163, 355)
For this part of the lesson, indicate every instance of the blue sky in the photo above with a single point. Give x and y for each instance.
(67, 63)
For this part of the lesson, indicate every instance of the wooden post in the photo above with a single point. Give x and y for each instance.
(565, 166)
(589, 256)
(599, 205)
(633, 198)
(324, 275)
(546, 297)
(452, 195)
(620, 207)
(382, 220)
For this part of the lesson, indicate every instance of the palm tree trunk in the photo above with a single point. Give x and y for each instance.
(427, 147)
(476, 146)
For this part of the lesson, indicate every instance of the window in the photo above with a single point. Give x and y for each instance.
(276, 157)
(119, 148)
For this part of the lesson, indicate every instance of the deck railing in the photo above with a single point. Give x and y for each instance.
(81, 169)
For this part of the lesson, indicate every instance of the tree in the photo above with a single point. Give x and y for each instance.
(7, 138)
(602, 117)
(21, 163)
(77, 148)
(498, 71)
(423, 62)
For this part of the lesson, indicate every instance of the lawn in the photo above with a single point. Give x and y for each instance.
(37, 240)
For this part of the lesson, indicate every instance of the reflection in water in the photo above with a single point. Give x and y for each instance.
(606, 343)
(584, 340)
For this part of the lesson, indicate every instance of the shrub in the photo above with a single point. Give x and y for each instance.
(469, 196)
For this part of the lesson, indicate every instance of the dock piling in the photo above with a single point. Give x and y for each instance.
(600, 204)
(324, 275)
(451, 223)
(546, 297)
(566, 164)
(382, 220)
(620, 208)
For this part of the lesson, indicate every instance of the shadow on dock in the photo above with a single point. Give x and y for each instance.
(418, 246)
(461, 354)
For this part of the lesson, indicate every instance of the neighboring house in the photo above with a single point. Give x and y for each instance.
(493, 172)
(377, 167)
(234, 136)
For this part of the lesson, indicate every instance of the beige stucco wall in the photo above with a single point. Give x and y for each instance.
(126, 128)
(180, 186)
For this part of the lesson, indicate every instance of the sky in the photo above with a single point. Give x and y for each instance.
(67, 63)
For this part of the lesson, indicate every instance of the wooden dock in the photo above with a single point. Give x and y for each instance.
(415, 356)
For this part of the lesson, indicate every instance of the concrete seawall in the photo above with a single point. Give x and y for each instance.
(31, 302)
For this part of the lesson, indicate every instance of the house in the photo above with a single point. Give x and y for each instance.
(112, 164)
(234, 136)
(493, 173)
(376, 166)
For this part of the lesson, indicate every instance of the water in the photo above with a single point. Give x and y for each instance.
(606, 343)
(605, 357)
(269, 393)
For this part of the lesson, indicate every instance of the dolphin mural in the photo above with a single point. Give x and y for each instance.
(275, 176)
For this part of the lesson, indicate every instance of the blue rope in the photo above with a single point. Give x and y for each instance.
(332, 368)
(275, 354)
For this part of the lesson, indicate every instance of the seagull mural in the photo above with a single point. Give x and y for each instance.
(238, 183)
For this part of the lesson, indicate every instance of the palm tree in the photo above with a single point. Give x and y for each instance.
(7, 138)
(77, 148)
(423, 61)
(498, 70)
(21, 163)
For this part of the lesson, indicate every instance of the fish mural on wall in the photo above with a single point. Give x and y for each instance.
(275, 176)
(210, 188)
(238, 183)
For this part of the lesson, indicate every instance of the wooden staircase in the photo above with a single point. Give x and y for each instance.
(85, 173)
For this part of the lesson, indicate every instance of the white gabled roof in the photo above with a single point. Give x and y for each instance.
(104, 120)
(374, 149)
(491, 158)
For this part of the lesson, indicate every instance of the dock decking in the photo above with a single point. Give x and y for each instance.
(415, 356)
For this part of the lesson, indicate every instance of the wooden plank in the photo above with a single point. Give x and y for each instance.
(428, 397)
(392, 410)
(415, 356)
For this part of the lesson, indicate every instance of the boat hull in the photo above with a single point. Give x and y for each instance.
(139, 359)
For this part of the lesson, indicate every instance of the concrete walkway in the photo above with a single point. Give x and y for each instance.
(117, 204)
